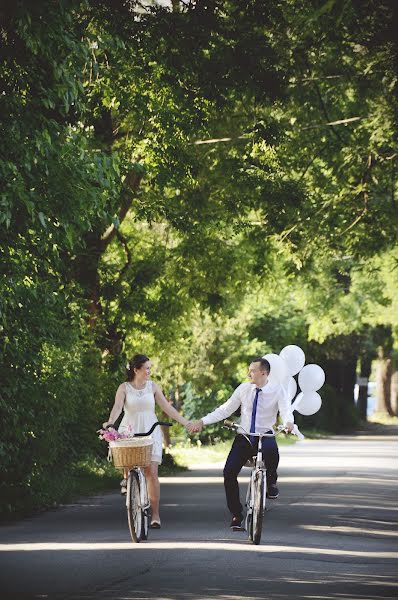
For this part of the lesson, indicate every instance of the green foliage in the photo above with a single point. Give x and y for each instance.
(56, 185)
(122, 231)
(340, 120)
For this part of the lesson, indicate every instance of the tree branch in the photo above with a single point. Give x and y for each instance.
(364, 182)
(323, 105)
(123, 241)
(245, 137)
(132, 183)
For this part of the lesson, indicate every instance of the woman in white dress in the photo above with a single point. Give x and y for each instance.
(137, 397)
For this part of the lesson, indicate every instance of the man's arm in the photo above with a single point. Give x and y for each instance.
(219, 414)
(285, 409)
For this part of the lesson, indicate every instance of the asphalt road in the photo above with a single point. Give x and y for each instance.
(332, 534)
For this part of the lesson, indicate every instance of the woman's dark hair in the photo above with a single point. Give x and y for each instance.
(135, 362)
(264, 364)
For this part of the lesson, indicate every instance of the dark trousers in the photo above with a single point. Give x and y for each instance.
(240, 452)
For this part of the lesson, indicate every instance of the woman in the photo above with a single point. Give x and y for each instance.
(137, 397)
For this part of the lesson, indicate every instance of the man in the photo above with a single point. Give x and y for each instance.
(260, 402)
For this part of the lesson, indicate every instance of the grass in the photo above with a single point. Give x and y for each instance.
(96, 475)
(316, 434)
(85, 478)
(190, 454)
(383, 419)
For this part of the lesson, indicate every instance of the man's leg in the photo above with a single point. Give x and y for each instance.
(240, 452)
(271, 460)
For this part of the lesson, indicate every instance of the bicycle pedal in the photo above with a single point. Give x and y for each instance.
(238, 528)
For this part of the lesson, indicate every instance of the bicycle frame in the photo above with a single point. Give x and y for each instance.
(254, 514)
(144, 498)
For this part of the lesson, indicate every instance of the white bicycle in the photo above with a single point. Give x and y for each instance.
(137, 501)
(256, 496)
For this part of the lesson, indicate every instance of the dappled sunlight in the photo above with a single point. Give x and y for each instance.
(349, 530)
(300, 479)
(336, 480)
(197, 545)
(193, 480)
(208, 466)
(345, 505)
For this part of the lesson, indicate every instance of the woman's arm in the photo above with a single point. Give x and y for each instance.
(166, 406)
(117, 406)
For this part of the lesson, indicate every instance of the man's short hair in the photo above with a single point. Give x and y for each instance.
(264, 364)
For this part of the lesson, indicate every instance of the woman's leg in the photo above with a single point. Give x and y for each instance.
(123, 483)
(152, 478)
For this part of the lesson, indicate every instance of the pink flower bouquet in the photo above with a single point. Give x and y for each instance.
(111, 434)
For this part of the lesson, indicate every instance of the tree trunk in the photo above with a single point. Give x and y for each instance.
(383, 383)
(86, 273)
(363, 380)
(394, 392)
(166, 432)
(87, 269)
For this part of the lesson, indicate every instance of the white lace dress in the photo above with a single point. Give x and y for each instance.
(139, 414)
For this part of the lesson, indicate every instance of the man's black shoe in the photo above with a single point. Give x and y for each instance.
(272, 491)
(236, 523)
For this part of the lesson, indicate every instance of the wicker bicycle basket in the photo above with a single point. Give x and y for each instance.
(133, 452)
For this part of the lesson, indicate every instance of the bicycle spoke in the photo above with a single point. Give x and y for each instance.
(258, 506)
(134, 509)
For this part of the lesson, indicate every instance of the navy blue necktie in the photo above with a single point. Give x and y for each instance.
(253, 423)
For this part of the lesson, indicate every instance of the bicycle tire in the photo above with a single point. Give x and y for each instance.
(146, 511)
(134, 509)
(145, 525)
(258, 507)
(249, 526)
(249, 514)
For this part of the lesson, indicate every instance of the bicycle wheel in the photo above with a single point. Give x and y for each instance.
(146, 508)
(249, 514)
(134, 509)
(258, 507)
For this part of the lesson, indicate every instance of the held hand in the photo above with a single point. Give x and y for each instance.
(289, 426)
(198, 425)
(195, 426)
(190, 427)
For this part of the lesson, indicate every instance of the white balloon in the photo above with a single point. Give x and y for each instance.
(294, 357)
(290, 386)
(279, 370)
(307, 403)
(311, 378)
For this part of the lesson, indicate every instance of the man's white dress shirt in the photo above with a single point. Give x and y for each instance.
(271, 399)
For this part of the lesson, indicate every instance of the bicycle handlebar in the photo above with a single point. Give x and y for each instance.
(148, 432)
(236, 427)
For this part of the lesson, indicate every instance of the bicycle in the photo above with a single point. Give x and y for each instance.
(137, 500)
(255, 496)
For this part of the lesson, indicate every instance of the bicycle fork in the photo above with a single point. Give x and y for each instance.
(145, 505)
(144, 499)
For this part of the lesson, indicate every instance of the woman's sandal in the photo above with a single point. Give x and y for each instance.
(155, 524)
